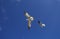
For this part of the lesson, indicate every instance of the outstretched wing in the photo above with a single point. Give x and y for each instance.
(29, 24)
(27, 15)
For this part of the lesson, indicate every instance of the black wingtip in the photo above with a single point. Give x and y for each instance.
(28, 28)
(38, 21)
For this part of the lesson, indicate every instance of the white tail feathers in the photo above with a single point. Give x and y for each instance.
(27, 19)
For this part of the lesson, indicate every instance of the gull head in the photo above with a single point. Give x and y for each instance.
(31, 18)
(43, 25)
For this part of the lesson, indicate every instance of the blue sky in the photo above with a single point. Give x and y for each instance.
(13, 24)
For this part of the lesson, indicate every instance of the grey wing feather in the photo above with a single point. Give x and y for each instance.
(29, 23)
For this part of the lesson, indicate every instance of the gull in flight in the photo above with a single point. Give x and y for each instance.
(29, 19)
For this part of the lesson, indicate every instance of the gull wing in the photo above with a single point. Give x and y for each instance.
(27, 15)
(29, 23)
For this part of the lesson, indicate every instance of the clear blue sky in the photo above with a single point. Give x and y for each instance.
(13, 24)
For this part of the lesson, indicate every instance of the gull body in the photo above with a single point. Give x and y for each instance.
(41, 24)
(29, 19)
